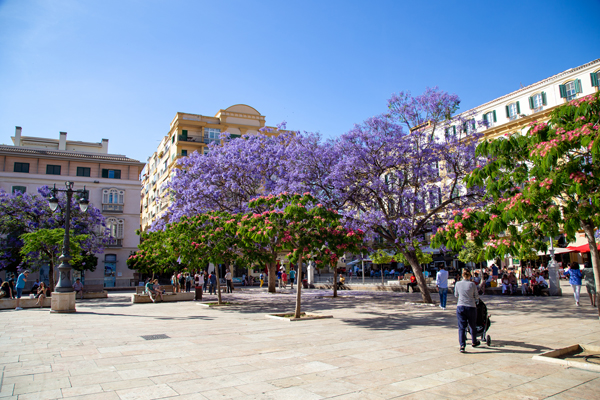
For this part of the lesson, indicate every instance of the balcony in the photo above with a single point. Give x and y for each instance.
(112, 208)
(114, 243)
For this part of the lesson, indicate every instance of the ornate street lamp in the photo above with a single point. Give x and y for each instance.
(64, 281)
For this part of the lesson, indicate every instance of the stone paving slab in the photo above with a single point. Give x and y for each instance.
(375, 347)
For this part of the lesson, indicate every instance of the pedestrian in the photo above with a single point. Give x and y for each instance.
(198, 283)
(229, 281)
(181, 278)
(494, 272)
(174, 282)
(441, 281)
(20, 286)
(205, 273)
(262, 279)
(575, 277)
(212, 289)
(590, 283)
(279, 278)
(466, 310)
(292, 276)
(188, 282)
(284, 279)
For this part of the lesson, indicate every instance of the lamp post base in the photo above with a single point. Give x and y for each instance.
(62, 302)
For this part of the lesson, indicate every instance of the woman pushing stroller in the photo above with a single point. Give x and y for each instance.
(466, 310)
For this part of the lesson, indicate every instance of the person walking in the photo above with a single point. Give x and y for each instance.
(181, 277)
(284, 278)
(279, 278)
(188, 282)
(575, 277)
(205, 273)
(292, 277)
(441, 281)
(20, 286)
(466, 310)
(229, 281)
(174, 282)
(262, 279)
(212, 287)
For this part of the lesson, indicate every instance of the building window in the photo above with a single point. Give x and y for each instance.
(52, 169)
(537, 101)
(19, 189)
(205, 151)
(111, 173)
(184, 153)
(595, 79)
(211, 135)
(450, 132)
(570, 89)
(83, 171)
(22, 167)
(469, 126)
(513, 110)
(113, 200)
(489, 119)
(116, 227)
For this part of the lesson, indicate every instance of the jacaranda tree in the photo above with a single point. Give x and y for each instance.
(22, 213)
(541, 183)
(401, 184)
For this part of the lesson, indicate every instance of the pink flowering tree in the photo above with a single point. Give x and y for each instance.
(302, 227)
(540, 184)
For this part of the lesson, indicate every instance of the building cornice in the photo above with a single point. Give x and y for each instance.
(67, 155)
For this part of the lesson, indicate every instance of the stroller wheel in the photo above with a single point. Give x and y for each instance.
(488, 340)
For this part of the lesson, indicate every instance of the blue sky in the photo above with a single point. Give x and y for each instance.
(121, 69)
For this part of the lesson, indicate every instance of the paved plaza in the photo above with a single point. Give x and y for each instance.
(375, 347)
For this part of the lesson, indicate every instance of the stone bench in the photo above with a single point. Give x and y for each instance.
(498, 291)
(26, 302)
(94, 292)
(167, 297)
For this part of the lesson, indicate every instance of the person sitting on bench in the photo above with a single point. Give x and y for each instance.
(150, 289)
(78, 287)
(413, 283)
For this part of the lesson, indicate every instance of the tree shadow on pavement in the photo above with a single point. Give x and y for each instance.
(191, 317)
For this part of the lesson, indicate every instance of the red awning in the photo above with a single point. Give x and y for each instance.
(582, 249)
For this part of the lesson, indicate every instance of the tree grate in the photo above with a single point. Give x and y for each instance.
(154, 337)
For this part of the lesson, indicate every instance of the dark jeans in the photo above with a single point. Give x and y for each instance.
(212, 289)
(188, 286)
(443, 296)
(467, 317)
(229, 286)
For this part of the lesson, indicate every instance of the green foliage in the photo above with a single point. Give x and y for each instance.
(471, 253)
(381, 257)
(46, 244)
(539, 183)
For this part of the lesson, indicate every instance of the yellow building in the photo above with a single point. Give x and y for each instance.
(189, 133)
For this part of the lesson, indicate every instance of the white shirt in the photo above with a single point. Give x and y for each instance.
(228, 276)
(441, 279)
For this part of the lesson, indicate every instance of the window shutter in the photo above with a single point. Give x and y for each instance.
(531, 103)
(578, 86)
(594, 78)
(105, 173)
(507, 112)
(494, 112)
(485, 117)
(518, 108)
(563, 91)
(472, 126)
(454, 131)
(544, 98)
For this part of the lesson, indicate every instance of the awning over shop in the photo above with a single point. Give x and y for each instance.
(582, 249)
(556, 251)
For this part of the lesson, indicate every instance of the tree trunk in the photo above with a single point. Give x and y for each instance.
(589, 234)
(381, 270)
(335, 280)
(272, 283)
(414, 263)
(220, 301)
(298, 309)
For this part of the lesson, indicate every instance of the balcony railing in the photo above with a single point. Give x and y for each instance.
(114, 243)
(115, 208)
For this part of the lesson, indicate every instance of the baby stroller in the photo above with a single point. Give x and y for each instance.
(483, 323)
